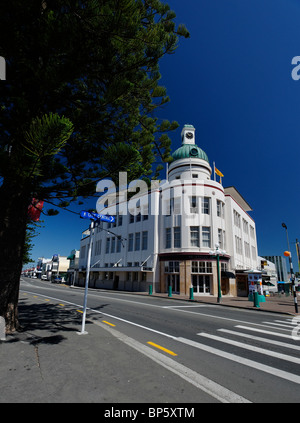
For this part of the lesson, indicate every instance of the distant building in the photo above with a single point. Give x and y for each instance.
(72, 273)
(169, 238)
(280, 263)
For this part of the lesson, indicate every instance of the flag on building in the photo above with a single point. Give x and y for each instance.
(218, 172)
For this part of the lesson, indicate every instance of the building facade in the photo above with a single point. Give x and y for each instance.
(280, 263)
(175, 234)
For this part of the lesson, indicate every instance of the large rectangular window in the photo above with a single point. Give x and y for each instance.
(137, 244)
(168, 238)
(206, 236)
(130, 242)
(205, 205)
(195, 241)
(144, 240)
(193, 205)
(177, 237)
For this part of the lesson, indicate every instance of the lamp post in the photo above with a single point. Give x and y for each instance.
(217, 253)
(289, 255)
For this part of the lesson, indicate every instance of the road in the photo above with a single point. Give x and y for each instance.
(228, 353)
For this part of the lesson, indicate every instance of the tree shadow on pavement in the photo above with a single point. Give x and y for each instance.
(46, 323)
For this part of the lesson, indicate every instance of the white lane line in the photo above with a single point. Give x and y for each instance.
(288, 323)
(187, 306)
(258, 338)
(244, 361)
(212, 388)
(259, 350)
(282, 335)
(278, 324)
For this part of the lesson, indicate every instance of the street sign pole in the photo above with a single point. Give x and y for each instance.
(83, 331)
(94, 217)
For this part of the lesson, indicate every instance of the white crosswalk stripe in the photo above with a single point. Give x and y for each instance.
(290, 355)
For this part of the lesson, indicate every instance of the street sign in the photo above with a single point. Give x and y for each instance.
(95, 216)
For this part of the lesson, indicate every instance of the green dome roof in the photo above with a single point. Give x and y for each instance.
(189, 150)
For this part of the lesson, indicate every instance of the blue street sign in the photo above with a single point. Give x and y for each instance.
(95, 216)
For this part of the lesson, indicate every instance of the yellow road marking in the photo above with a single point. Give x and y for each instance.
(62, 305)
(110, 324)
(162, 348)
(35, 296)
(79, 311)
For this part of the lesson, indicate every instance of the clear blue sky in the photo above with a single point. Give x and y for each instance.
(232, 81)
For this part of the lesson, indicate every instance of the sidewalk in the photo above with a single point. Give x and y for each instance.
(48, 362)
(279, 303)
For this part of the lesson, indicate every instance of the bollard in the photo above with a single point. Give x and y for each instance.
(170, 291)
(191, 293)
(256, 300)
(150, 289)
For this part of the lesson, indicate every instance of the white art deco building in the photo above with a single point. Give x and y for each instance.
(169, 235)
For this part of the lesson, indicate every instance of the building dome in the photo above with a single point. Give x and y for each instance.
(189, 151)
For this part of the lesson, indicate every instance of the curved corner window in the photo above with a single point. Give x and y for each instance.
(194, 152)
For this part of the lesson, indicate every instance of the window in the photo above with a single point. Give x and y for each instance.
(130, 242)
(107, 245)
(221, 239)
(201, 267)
(247, 249)
(220, 209)
(131, 218)
(138, 217)
(177, 205)
(205, 205)
(245, 226)
(193, 205)
(252, 232)
(172, 267)
(236, 218)
(119, 244)
(113, 245)
(144, 240)
(98, 248)
(206, 236)
(195, 241)
(194, 176)
(177, 237)
(137, 244)
(168, 238)
(238, 245)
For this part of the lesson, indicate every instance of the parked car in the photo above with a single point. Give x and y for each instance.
(44, 277)
(57, 280)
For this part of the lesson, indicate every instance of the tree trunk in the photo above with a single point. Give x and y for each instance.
(13, 221)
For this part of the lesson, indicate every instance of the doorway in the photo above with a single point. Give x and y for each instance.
(201, 284)
(174, 281)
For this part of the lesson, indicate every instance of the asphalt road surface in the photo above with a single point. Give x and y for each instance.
(231, 353)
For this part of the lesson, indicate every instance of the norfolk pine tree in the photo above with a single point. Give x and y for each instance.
(78, 104)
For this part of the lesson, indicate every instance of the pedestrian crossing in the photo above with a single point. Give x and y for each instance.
(277, 342)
